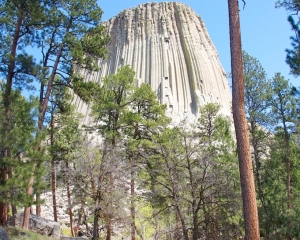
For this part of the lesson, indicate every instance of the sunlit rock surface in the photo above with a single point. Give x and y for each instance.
(168, 46)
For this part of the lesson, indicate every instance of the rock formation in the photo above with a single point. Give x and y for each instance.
(3, 235)
(168, 46)
(40, 225)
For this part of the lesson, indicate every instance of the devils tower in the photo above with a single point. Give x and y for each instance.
(168, 47)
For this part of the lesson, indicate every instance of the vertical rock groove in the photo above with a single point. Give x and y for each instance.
(168, 46)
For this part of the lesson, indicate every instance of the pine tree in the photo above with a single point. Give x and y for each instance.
(66, 136)
(241, 128)
(284, 110)
(258, 94)
(144, 118)
(71, 37)
(15, 150)
(293, 55)
(16, 65)
(186, 172)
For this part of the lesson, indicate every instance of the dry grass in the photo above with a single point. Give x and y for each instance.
(16, 233)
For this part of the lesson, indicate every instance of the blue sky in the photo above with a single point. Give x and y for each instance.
(265, 30)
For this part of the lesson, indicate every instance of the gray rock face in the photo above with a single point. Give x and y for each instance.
(3, 235)
(41, 225)
(168, 46)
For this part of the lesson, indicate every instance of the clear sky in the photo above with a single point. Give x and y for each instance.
(265, 29)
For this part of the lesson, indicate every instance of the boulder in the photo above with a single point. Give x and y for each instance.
(3, 235)
(40, 225)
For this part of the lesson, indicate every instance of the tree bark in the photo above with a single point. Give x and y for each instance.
(53, 173)
(241, 127)
(12, 62)
(96, 225)
(69, 198)
(42, 113)
(4, 213)
(4, 207)
(53, 181)
(25, 223)
(132, 195)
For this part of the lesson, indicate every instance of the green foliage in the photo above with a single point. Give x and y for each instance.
(16, 148)
(258, 91)
(293, 55)
(112, 101)
(32, 14)
(272, 113)
(280, 222)
(186, 173)
(283, 102)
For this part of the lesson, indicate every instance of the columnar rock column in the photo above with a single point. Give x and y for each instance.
(168, 46)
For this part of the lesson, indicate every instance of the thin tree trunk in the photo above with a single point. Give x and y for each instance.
(53, 172)
(38, 209)
(132, 195)
(41, 119)
(85, 221)
(111, 187)
(241, 127)
(257, 165)
(287, 159)
(4, 213)
(81, 214)
(25, 223)
(97, 198)
(12, 193)
(108, 228)
(12, 62)
(177, 230)
(14, 213)
(69, 198)
(53, 182)
(96, 225)
(4, 207)
(176, 199)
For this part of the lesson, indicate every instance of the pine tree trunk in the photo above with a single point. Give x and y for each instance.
(177, 230)
(25, 223)
(85, 220)
(53, 182)
(4, 213)
(96, 225)
(14, 213)
(27, 210)
(241, 127)
(81, 214)
(108, 229)
(12, 62)
(287, 158)
(132, 195)
(12, 193)
(257, 164)
(38, 209)
(69, 199)
(4, 207)
(42, 113)
(53, 173)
